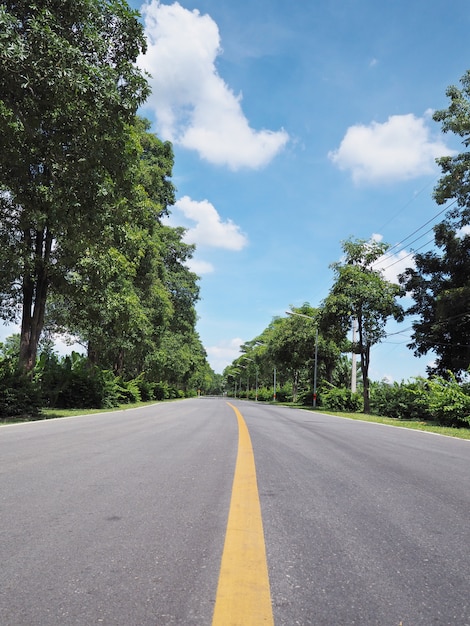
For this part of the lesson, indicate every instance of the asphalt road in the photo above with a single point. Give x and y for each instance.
(120, 518)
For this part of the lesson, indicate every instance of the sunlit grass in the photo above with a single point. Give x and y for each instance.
(432, 427)
(47, 414)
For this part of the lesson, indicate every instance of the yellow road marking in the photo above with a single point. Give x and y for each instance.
(243, 594)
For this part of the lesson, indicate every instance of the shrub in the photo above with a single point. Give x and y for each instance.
(161, 391)
(306, 398)
(265, 394)
(341, 399)
(175, 394)
(129, 391)
(19, 395)
(284, 394)
(72, 383)
(402, 401)
(146, 388)
(449, 403)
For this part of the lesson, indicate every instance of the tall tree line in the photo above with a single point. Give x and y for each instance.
(84, 185)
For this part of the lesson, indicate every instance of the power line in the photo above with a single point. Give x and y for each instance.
(387, 253)
(409, 254)
(407, 204)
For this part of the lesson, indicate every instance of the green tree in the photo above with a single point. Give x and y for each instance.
(455, 180)
(440, 289)
(361, 292)
(69, 90)
(439, 282)
(293, 345)
(119, 296)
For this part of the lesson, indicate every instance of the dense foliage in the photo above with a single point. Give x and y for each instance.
(439, 284)
(69, 91)
(83, 187)
(361, 293)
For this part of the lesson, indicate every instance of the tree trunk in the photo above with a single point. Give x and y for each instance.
(35, 287)
(119, 363)
(364, 348)
(295, 386)
(92, 353)
(365, 359)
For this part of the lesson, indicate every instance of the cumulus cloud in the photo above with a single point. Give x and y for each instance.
(200, 267)
(395, 263)
(463, 232)
(401, 148)
(209, 229)
(224, 353)
(193, 105)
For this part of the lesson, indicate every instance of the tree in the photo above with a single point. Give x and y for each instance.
(361, 292)
(440, 289)
(439, 283)
(455, 181)
(292, 347)
(118, 298)
(69, 90)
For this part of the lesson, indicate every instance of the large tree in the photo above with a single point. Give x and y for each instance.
(361, 293)
(118, 298)
(455, 180)
(440, 287)
(69, 88)
(439, 284)
(294, 343)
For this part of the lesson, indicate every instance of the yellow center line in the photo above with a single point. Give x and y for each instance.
(243, 593)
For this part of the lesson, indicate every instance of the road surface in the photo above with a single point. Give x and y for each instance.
(124, 519)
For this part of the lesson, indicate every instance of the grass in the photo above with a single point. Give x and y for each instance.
(47, 414)
(432, 427)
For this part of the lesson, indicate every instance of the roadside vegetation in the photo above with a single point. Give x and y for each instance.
(421, 402)
(84, 188)
(85, 251)
(308, 358)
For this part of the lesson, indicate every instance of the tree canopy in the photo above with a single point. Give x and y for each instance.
(361, 293)
(69, 91)
(84, 186)
(439, 283)
(440, 289)
(455, 179)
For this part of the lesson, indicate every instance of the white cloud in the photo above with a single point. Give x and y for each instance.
(399, 149)
(199, 266)
(222, 354)
(463, 232)
(209, 230)
(193, 105)
(393, 264)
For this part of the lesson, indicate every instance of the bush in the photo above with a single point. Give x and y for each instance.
(72, 383)
(265, 394)
(161, 391)
(306, 398)
(341, 399)
(402, 401)
(284, 394)
(19, 395)
(146, 388)
(175, 394)
(129, 391)
(449, 402)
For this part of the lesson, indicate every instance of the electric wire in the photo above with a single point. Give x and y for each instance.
(409, 254)
(387, 253)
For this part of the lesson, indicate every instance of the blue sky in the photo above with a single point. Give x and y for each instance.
(297, 125)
